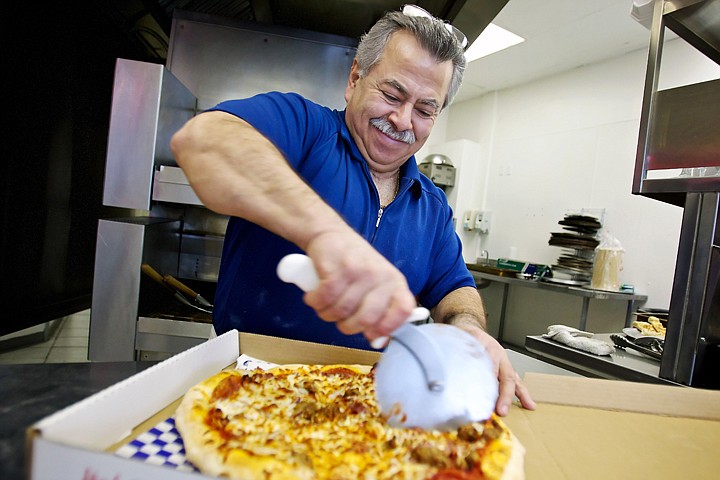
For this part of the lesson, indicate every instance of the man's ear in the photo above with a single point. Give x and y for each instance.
(354, 74)
(352, 80)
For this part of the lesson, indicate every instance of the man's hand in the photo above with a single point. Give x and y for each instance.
(464, 309)
(359, 289)
(510, 383)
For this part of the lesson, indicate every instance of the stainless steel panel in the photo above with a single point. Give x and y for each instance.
(684, 130)
(171, 185)
(677, 127)
(131, 139)
(220, 62)
(148, 106)
(122, 246)
(177, 106)
(199, 220)
(697, 22)
(200, 257)
(169, 336)
(693, 333)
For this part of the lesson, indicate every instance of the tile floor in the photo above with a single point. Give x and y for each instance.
(64, 340)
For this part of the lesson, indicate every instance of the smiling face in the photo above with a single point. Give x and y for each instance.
(391, 111)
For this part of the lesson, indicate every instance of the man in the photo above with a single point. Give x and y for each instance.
(344, 188)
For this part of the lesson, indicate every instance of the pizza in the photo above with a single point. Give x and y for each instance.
(322, 422)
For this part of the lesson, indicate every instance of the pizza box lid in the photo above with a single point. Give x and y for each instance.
(598, 429)
(582, 428)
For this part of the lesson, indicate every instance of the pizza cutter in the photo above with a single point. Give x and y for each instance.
(431, 376)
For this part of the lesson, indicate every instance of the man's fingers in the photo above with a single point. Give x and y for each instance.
(523, 395)
(508, 380)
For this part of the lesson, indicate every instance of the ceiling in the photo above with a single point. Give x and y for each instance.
(148, 22)
(560, 34)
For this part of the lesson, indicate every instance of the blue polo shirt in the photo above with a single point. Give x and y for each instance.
(415, 232)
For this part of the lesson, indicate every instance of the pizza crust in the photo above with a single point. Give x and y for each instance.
(515, 467)
(200, 446)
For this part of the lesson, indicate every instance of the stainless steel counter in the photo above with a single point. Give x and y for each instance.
(621, 365)
(585, 292)
(526, 364)
(633, 300)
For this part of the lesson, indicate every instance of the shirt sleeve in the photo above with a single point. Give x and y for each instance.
(292, 123)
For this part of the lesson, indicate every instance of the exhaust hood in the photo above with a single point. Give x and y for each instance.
(148, 22)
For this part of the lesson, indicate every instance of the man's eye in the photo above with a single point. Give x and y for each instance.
(425, 113)
(391, 97)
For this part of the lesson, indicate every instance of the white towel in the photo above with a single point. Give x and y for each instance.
(572, 337)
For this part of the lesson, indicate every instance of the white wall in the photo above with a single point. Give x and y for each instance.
(565, 143)
(465, 194)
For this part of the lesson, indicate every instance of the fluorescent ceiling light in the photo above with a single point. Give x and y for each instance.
(491, 40)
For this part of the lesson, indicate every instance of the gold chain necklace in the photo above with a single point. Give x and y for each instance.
(397, 189)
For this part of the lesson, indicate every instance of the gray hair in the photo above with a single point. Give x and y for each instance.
(431, 34)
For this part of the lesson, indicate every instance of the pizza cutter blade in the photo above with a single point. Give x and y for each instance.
(469, 389)
(431, 376)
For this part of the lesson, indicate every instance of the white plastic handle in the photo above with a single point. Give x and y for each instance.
(298, 269)
(418, 313)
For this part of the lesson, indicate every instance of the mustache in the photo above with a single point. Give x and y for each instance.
(382, 124)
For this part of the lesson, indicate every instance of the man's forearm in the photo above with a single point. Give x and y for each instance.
(461, 307)
(236, 171)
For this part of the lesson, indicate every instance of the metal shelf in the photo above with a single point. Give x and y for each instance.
(678, 126)
(678, 129)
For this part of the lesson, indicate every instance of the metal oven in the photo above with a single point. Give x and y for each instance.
(166, 226)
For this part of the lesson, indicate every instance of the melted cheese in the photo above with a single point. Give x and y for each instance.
(323, 422)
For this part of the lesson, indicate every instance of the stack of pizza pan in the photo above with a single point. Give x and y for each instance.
(578, 241)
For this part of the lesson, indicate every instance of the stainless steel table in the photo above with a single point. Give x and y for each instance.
(621, 365)
(633, 300)
(526, 364)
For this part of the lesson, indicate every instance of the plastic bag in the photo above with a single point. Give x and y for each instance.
(608, 264)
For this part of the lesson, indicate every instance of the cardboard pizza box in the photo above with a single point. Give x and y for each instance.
(582, 428)
(587, 428)
(78, 441)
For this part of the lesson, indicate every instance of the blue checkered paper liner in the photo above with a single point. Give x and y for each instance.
(161, 445)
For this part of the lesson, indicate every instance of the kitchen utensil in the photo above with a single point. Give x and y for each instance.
(470, 387)
(623, 342)
(176, 287)
(655, 344)
(185, 290)
(429, 376)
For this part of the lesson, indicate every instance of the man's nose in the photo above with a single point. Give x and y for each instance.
(401, 117)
